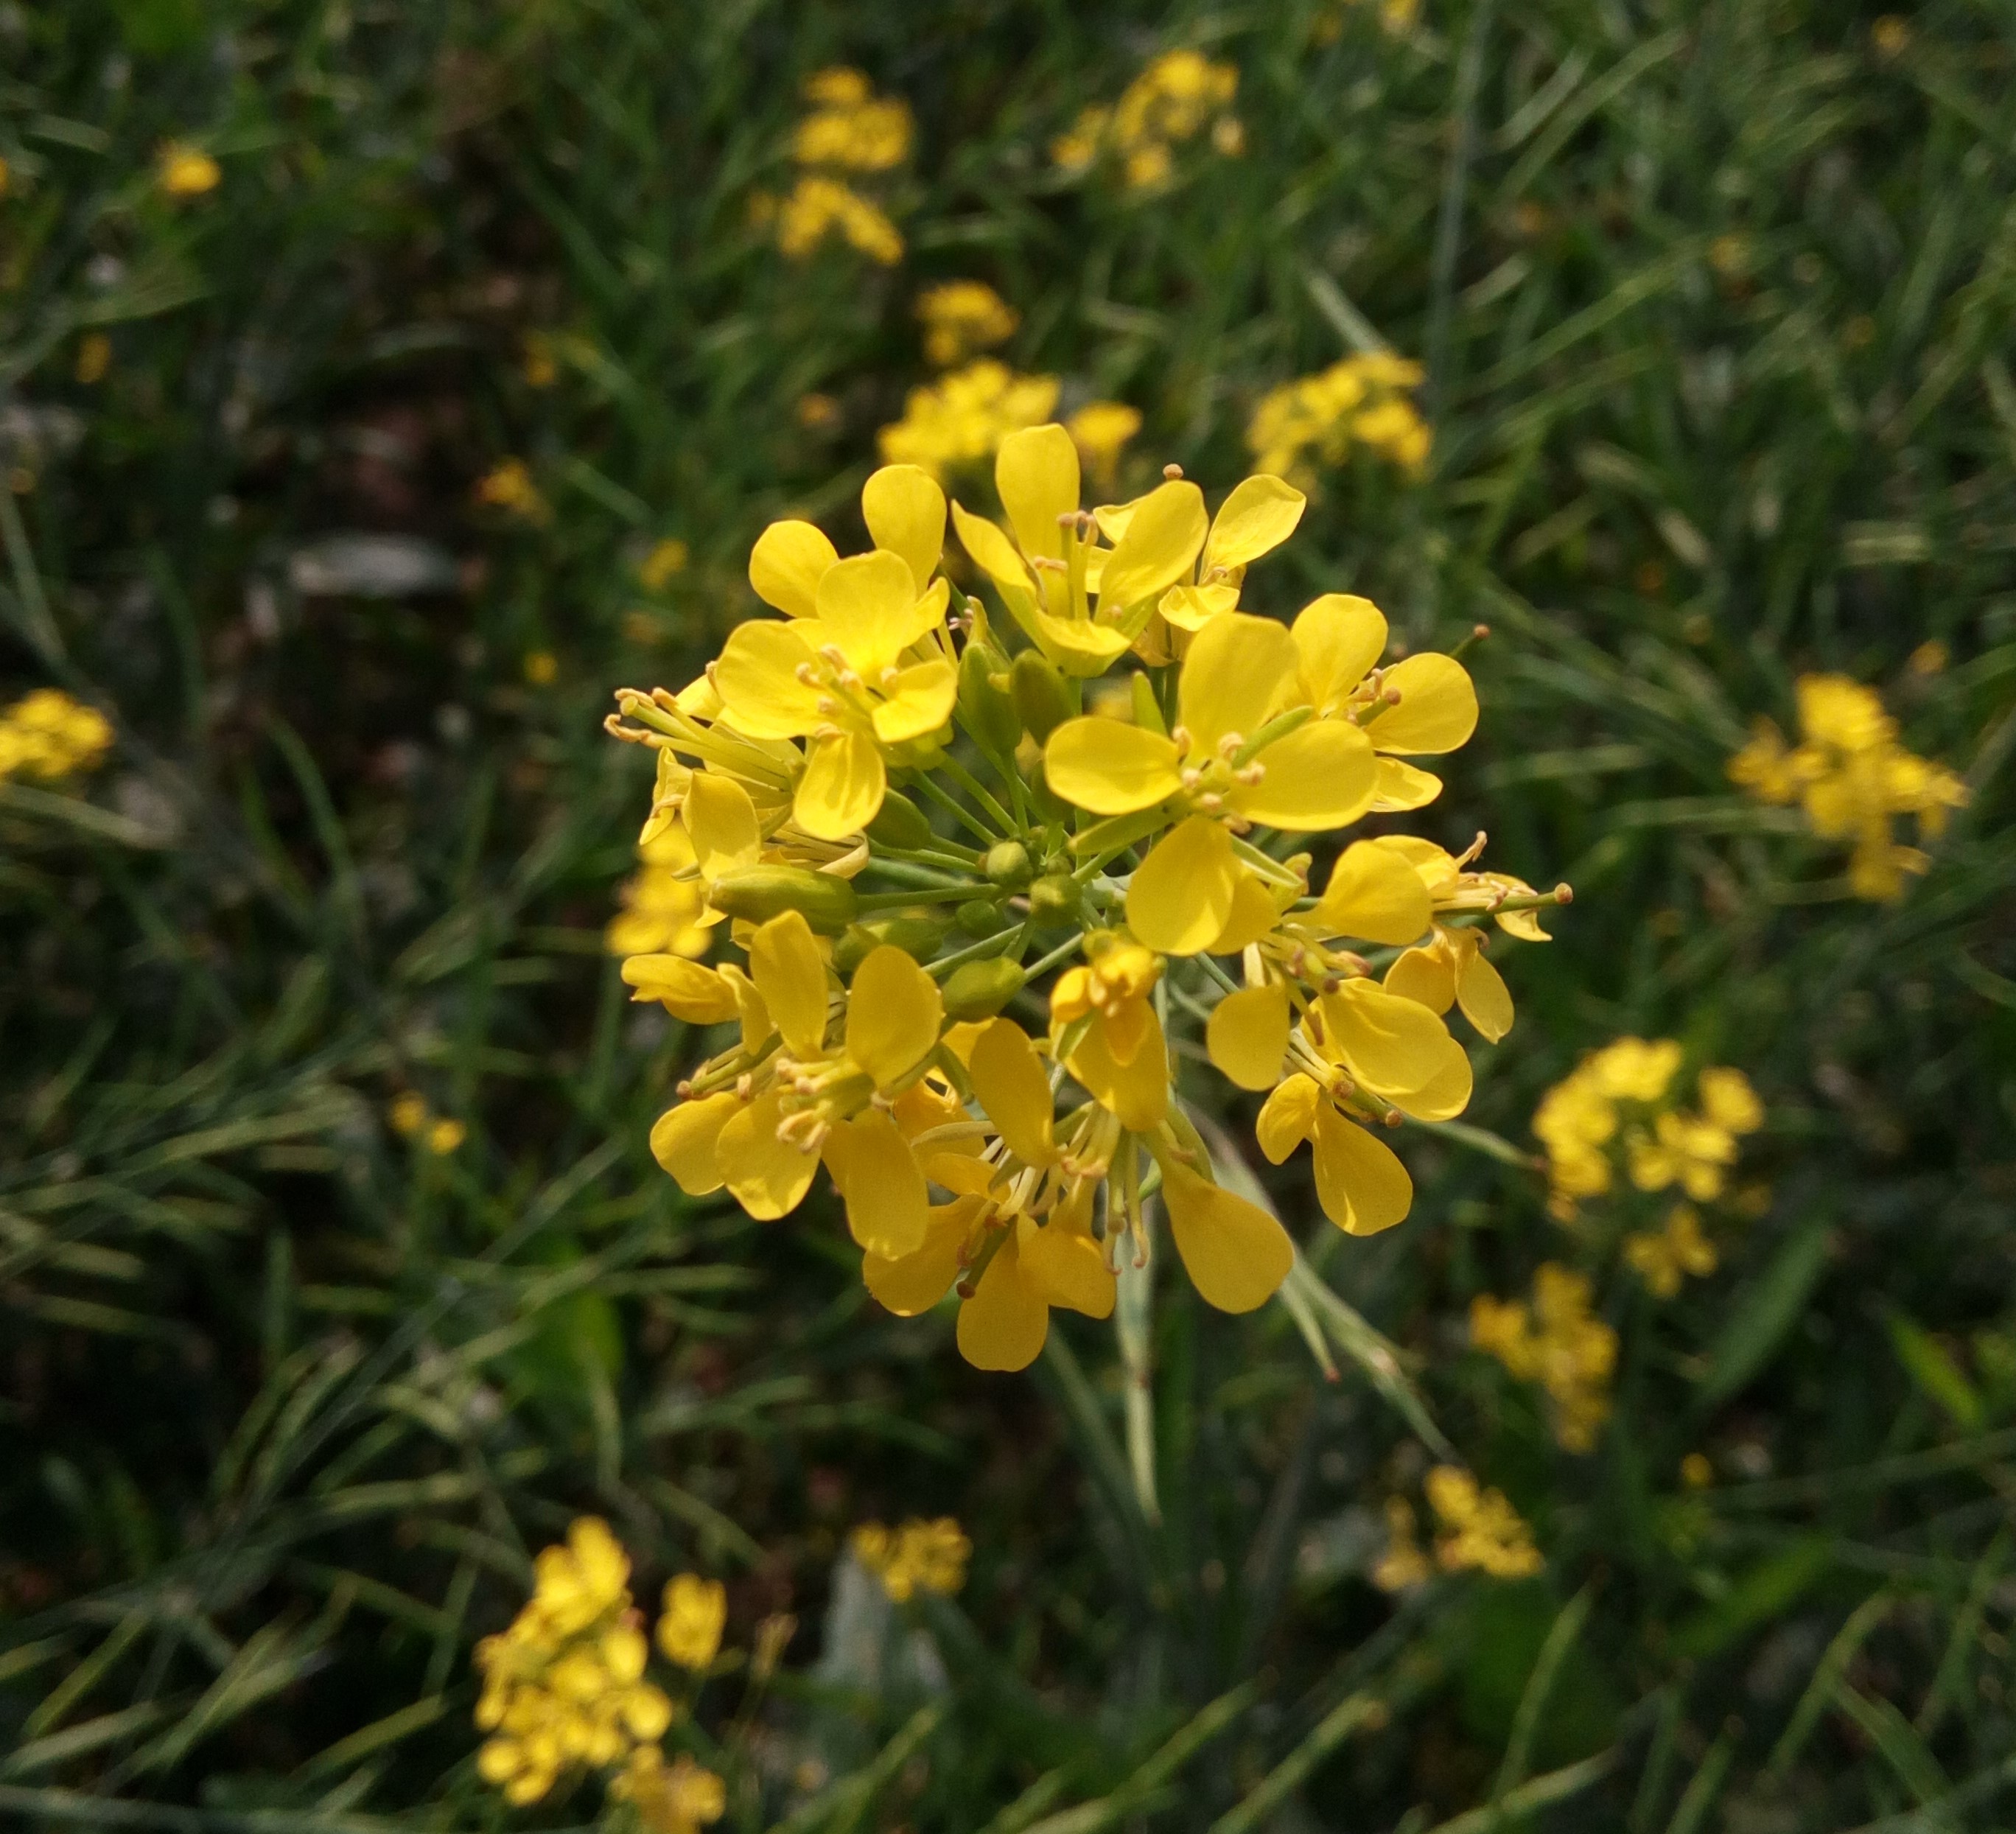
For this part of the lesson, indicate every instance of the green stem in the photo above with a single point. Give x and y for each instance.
(979, 793)
(945, 800)
(1069, 946)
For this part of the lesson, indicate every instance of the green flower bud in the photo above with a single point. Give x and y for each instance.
(918, 937)
(1054, 899)
(760, 892)
(900, 823)
(1042, 698)
(980, 916)
(1007, 864)
(979, 990)
(984, 703)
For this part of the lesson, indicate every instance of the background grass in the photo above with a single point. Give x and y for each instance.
(1716, 299)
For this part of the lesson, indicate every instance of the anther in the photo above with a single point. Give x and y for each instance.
(1172, 471)
(1211, 802)
(1255, 772)
(1229, 744)
(1565, 893)
(1190, 776)
(807, 674)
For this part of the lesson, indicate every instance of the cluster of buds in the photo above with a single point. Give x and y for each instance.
(984, 871)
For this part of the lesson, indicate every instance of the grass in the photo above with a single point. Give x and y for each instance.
(1715, 298)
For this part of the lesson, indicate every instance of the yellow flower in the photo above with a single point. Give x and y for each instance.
(408, 1113)
(1403, 1565)
(508, 486)
(1696, 1472)
(666, 561)
(679, 1798)
(919, 1556)
(1178, 95)
(1559, 1343)
(1664, 1258)
(817, 206)
(689, 1627)
(445, 1136)
(850, 127)
(961, 317)
(1099, 429)
(184, 171)
(1480, 1528)
(962, 418)
(94, 358)
(664, 904)
(47, 734)
(1314, 421)
(542, 669)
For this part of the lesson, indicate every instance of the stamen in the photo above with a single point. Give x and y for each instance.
(1172, 471)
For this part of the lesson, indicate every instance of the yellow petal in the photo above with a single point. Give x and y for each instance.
(1062, 1262)
(888, 1207)
(920, 701)
(1011, 1085)
(905, 513)
(1136, 1092)
(1482, 992)
(1260, 514)
(1338, 638)
(1231, 678)
(1162, 537)
(909, 1284)
(1036, 473)
(1109, 768)
(1438, 709)
(842, 789)
(685, 989)
(749, 1008)
(1077, 647)
(786, 564)
(684, 1139)
(1235, 1254)
(1248, 1035)
(1360, 1182)
(757, 678)
(893, 1011)
(1401, 787)
(1003, 1325)
(1426, 976)
(1191, 608)
(785, 963)
(722, 820)
(863, 606)
(1446, 1093)
(1181, 894)
(995, 556)
(1319, 776)
(1287, 1117)
(1375, 895)
(1387, 1043)
(1254, 913)
(768, 1176)
(959, 1173)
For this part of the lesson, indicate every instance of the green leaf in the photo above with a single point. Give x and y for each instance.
(1765, 1313)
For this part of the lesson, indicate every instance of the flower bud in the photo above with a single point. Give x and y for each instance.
(979, 990)
(900, 823)
(918, 937)
(984, 703)
(1042, 700)
(980, 916)
(1054, 899)
(1007, 864)
(760, 892)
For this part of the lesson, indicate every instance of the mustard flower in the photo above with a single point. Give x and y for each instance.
(679, 1798)
(689, 1626)
(1176, 97)
(1557, 1341)
(919, 1556)
(961, 420)
(961, 317)
(48, 734)
(1099, 429)
(184, 171)
(1312, 424)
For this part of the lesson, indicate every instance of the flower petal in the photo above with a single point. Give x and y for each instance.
(1401, 787)
(1482, 992)
(1011, 1086)
(1287, 1117)
(1181, 894)
(904, 510)
(757, 679)
(920, 701)
(1360, 1182)
(1136, 1092)
(1036, 473)
(1438, 709)
(722, 820)
(1077, 647)
(1062, 1262)
(893, 1012)
(768, 1176)
(786, 965)
(1426, 976)
(1254, 913)
(1003, 1325)
(1319, 776)
(1163, 534)
(863, 606)
(1338, 638)
(684, 1138)
(1389, 1044)
(995, 554)
(888, 1209)
(685, 988)
(1231, 678)
(1191, 608)
(1248, 1035)
(842, 789)
(1110, 768)
(1260, 514)
(1374, 894)
(1235, 1254)
(786, 564)
(909, 1284)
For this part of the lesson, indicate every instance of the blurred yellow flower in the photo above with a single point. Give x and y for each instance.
(1480, 1529)
(1404, 1565)
(408, 1113)
(665, 562)
(508, 486)
(94, 358)
(184, 171)
(48, 734)
(1557, 1341)
(1175, 98)
(961, 420)
(664, 901)
(919, 1556)
(962, 317)
(1664, 1258)
(1314, 421)
(817, 206)
(1099, 429)
(1696, 1472)
(818, 412)
(689, 1627)
(445, 1136)
(541, 366)
(542, 669)
(848, 130)
(679, 1798)
(1929, 658)
(1891, 34)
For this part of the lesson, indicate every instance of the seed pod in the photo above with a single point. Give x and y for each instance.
(918, 937)
(760, 892)
(984, 703)
(900, 823)
(1042, 698)
(1007, 864)
(979, 990)
(1054, 899)
(979, 916)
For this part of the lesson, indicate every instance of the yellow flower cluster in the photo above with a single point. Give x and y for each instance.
(960, 420)
(508, 485)
(1853, 778)
(911, 811)
(1558, 1342)
(961, 317)
(47, 734)
(563, 1688)
(919, 1556)
(413, 1119)
(1313, 422)
(1663, 1257)
(1174, 100)
(1619, 1101)
(664, 910)
(1101, 429)
(1479, 1529)
(847, 130)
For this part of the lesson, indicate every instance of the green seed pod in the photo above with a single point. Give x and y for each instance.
(1007, 864)
(979, 916)
(1042, 698)
(918, 937)
(979, 990)
(1054, 899)
(900, 823)
(984, 704)
(760, 892)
